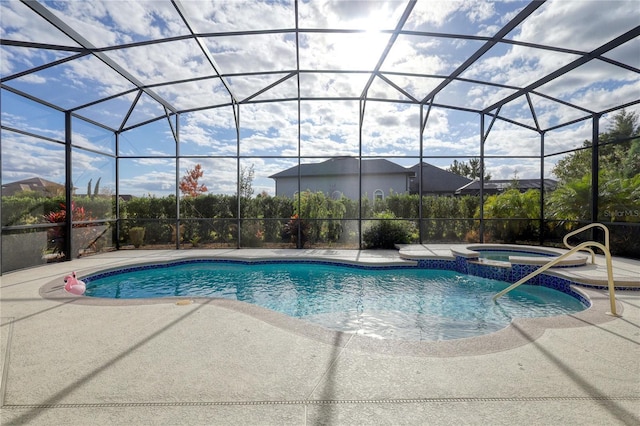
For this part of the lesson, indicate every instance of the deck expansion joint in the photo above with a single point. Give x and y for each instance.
(322, 402)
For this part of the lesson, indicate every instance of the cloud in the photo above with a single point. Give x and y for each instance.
(25, 157)
(164, 62)
(327, 128)
(158, 183)
(414, 54)
(32, 120)
(510, 170)
(108, 23)
(570, 22)
(361, 14)
(253, 52)
(428, 14)
(19, 23)
(239, 15)
(153, 162)
(520, 66)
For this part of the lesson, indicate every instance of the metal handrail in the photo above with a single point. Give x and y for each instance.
(584, 228)
(607, 253)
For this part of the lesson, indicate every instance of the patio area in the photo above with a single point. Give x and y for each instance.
(73, 362)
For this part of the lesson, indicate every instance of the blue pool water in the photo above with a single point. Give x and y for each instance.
(403, 303)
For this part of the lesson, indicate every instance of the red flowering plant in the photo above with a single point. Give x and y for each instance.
(56, 235)
(294, 228)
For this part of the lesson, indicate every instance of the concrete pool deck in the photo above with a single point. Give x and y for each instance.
(223, 362)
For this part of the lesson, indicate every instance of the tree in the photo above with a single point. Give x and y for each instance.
(246, 181)
(570, 201)
(470, 170)
(96, 188)
(631, 164)
(189, 183)
(574, 166)
(520, 211)
(618, 189)
(614, 152)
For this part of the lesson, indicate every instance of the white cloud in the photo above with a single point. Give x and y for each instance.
(239, 15)
(108, 23)
(513, 169)
(252, 53)
(361, 14)
(327, 128)
(195, 94)
(25, 157)
(415, 54)
(573, 27)
(581, 25)
(19, 23)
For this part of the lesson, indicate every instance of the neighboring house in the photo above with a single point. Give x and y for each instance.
(497, 186)
(436, 181)
(36, 184)
(339, 176)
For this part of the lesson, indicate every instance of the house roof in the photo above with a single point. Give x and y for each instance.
(343, 167)
(31, 184)
(500, 185)
(435, 179)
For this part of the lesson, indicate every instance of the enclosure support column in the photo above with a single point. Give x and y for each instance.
(117, 201)
(298, 198)
(482, 139)
(360, 121)
(423, 125)
(177, 138)
(68, 186)
(595, 167)
(421, 141)
(542, 188)
(236, 115)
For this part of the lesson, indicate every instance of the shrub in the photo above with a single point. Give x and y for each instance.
(252, 233)
(56, 235)
(136, 235)
(294, 227)
(387, 231)
(520, 213)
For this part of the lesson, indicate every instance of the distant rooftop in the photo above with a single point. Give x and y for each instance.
(35, 184)
(500, 185)
(344, 166)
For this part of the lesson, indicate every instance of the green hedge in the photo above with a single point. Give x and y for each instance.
(30, 208)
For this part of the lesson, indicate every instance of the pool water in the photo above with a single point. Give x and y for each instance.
(503, 255)
(402, 303)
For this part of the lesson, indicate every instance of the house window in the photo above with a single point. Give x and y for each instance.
(378, 194)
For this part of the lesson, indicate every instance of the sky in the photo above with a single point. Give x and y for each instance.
(333, 64)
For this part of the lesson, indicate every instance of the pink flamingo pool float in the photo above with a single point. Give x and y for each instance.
(73, 285)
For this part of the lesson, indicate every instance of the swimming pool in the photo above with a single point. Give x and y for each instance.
(385, 302)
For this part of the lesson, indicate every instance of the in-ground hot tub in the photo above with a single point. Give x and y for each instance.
(522, 255)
